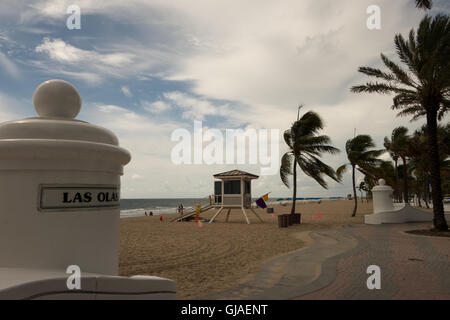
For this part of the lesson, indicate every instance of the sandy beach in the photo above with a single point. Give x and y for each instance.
(217, 256)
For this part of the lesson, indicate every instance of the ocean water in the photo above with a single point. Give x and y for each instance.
(138, 207)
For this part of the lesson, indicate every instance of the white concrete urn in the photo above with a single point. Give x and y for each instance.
(59, 187)
(382, 197)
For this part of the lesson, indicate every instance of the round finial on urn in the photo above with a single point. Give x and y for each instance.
(57, 99)
(381, 182)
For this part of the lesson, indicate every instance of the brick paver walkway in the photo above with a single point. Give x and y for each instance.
(334, 266)
(412, 267)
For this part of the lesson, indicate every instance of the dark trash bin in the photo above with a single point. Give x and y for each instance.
(290, 219)
(283, 221)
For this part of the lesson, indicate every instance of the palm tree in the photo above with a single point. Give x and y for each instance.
(418, 151)
(370, 182)
(306, 147)
(385, 170)
(361, 158)
(419, 165)
(398, 148)
(424, 4)
(422, 89)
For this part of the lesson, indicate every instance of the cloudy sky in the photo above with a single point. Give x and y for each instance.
(145, 68)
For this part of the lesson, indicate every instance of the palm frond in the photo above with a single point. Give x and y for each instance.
(309, 124)
(373, 72)
(319, 149)
(379, 87)
(340, 171)
(405, 50)
(316, 169)
(424, 4)
(421, 83)
(361, 154)
(286, 168)
(306, 148)
(415, 111)
(399, 74)
(287, 135)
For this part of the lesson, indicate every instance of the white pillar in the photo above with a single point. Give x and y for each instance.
(59, 187)
(382, 197)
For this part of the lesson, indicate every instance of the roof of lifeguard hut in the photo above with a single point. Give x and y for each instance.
(235, 173)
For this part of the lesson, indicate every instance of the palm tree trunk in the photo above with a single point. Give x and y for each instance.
(354, 191)
(294, 195)
(397, 191)
(405, 182)
(435, 174)
(426, 192)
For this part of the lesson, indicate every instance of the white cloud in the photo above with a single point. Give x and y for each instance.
(14, 109)
(128, 122)
(33, 30)
(196, 108)
(126, 91)
(120, 61)
(150, 172)
(265, 57)
(4, 37)
(9, 66)
(60, 51)
(155, 107)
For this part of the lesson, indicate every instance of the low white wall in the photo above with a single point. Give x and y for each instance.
(402, 215)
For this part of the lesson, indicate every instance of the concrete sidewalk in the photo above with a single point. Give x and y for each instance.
(334, 264)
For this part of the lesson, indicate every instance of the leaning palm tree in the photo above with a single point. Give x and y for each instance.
(361, 157)
(424, 4)
(306, 147)
(397, 146)
(422, 89)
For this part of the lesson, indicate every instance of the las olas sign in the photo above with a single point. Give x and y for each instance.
(62, 197)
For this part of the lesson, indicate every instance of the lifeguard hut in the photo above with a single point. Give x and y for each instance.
(232, 190)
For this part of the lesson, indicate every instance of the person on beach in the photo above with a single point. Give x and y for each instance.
(151, 213)
(180, 209)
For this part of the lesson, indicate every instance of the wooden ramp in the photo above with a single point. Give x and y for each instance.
(191, 213)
